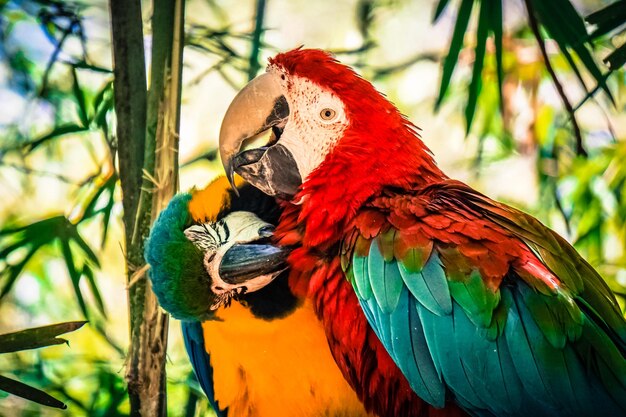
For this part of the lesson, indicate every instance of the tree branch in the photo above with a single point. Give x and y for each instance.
(148, 185)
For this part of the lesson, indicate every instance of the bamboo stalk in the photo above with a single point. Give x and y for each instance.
(157, 174)
(130, 100)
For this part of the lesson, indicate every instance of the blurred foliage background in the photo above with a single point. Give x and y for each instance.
(549, 139)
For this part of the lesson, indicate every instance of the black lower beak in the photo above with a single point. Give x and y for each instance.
(243, 262)
(272, 170)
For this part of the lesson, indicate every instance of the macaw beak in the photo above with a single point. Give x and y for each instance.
(244, 262)
(259, 106)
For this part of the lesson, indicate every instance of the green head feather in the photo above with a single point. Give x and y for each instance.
(178, 276)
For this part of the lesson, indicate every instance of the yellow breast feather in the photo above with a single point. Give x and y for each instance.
(276, 368)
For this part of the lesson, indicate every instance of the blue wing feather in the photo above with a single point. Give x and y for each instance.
(193, 337)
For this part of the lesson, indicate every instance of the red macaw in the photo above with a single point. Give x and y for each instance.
(430, 293)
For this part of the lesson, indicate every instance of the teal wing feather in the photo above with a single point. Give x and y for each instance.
(390, 321)
(385, 280)
(429, 286)
(510, 350)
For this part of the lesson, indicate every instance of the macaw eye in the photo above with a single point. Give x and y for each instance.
(328, 114)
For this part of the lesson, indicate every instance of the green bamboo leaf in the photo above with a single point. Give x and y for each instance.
(554, 29)
(78, 239)
(479, 58)
(225, 47)
(607, 19)
(105, 191)
(79, 96)
(6, 251)
(465, 10)
(37, 337)
(103, 187)
(30, 237)
(88, 274)
(56, 132)
(91, 67)
(587, 59)
(101, 96)
(565, 25)
(27, 392)
(33, 229)
(12, 230)
(45, 232)
(102, 109)
(592, 92)
(11, 272)
(106, 219)
(496, 29)
(197, 45)
(570, 60)
(568, 18)
(74, 275)
(440, 8)
(616, 59)
(114, 386)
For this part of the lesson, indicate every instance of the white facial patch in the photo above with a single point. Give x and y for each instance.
(214, 239)
(317, 120)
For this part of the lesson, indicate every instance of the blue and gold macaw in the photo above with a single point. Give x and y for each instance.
(256, 348)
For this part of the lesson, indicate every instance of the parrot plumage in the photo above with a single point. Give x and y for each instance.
(258, 353)
(431, 295)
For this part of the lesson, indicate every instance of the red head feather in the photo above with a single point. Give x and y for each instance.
(380, 148)
(359, 95)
